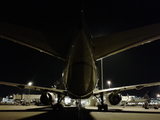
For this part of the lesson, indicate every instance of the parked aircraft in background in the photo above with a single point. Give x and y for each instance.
(135, 100)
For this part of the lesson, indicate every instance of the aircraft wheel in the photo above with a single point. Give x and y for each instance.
(57, 107)
(99, 107)
(155, 107)
(146, 107)
(104, 107)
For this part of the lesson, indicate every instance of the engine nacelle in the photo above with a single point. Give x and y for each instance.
(113, 98)
(47, 98)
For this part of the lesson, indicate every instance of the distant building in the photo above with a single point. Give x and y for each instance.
(25, 96)
(20, 99)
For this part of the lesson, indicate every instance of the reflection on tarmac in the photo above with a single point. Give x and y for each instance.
(90, 113)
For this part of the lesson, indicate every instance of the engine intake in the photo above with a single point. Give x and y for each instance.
(114, 99)
(47, 98)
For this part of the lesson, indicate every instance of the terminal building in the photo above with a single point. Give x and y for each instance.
(21, 99)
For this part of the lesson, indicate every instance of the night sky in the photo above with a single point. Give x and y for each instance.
(20, 64)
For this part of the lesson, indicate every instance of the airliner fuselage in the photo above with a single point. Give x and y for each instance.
(80, 76)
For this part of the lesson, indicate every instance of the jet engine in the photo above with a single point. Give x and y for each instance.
(113, 98)
(47, 98)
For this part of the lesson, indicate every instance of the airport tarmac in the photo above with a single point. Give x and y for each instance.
(11, 112)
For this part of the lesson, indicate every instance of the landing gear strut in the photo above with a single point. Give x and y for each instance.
(57, 106)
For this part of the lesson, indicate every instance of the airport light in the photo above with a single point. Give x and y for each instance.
(29, 84)
(11, 96)
(158, 95)
(109, 83)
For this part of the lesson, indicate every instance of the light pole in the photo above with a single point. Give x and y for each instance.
(109, 83)
(29, 84)
(101, 73)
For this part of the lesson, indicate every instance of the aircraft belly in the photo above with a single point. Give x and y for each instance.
(82, 79)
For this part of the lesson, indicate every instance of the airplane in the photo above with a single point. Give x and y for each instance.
(80, 75)
(146, 100)
(132, 99)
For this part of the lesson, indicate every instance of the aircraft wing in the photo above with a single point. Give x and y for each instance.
(114, 43)
(41, 41)
(104, 46)
(124, 88)
(22, 86)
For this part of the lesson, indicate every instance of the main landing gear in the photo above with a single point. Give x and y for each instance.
(102, 106)
(58, 105)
